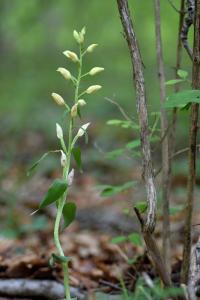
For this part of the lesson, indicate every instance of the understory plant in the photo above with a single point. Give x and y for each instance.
(68, 140)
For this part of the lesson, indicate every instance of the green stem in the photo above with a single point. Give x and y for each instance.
(62, 200)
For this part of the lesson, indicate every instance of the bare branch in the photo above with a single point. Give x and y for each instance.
(138, 80)
(192, 147)
(47, 289)
(165, 144)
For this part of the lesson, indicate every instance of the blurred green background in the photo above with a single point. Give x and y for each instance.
(35, 32)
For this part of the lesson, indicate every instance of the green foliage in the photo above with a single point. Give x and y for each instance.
(141, 206)
(183, 98)
(55, 191)
(69, 213)
(134, 238)
(111, 190)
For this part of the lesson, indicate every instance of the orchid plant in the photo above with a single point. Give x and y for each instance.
(58, 191)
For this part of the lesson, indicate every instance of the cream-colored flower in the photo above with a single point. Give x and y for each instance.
(81, 102)
(95, 71)
(65, 73)
(91, 48)
(63, 158)
(59, 131)
(70, 177)
(74, 110)
(82, 130)
(58, 99)
(93, 89)
(76, 36)
(71, 55)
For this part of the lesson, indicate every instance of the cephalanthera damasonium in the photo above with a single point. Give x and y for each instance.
(68, 140)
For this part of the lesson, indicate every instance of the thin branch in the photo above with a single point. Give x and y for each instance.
(47, 289)
(174, 7)
(192, 147)
(124, 114)
(138, 80)
(154, 252)
(165, 143)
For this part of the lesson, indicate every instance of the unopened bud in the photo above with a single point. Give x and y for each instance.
(70, 177)
(71, 55)
(93, 89)
(59, 131)
(58, 99)
(76, 36)
(82, 130)
(65, 73)
(74, 110)
(81, 102)
(95, 71)
(91, 48)
(63, 159)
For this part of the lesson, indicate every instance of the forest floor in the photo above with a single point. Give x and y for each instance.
(99, 266)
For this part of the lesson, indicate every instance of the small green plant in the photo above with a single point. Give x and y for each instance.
(58, 191)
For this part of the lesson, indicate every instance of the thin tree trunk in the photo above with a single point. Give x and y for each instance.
(177, 67)
(138, 80)
(165, 140)
(192, 146)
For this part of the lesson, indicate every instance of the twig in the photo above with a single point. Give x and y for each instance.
(138, 80)
(124, 114)
(165, 144)
(47, 289)
(154, 253)
(192, 147)
(174, 7)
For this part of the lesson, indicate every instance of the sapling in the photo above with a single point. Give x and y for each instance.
(58, 191)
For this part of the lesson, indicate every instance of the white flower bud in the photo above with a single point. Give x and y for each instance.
(71, 55)
(74, 110)
(82, 130)
(65, 73)
(59, 131)
(70, 177)
(63, 158)
(91, 48)
(93, 88)
(81, 102)
(58, 99)
(95, 71)
(76, 36)
(83, 30)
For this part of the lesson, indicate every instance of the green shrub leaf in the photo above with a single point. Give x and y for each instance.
(181, 99)
(110, 190)
(135, 239)
(174, 81)
(182, 74)
(55, 191)
(141, 206)
(119, 239)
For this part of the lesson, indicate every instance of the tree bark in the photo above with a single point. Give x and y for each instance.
(138, 80)
(192, 147)
(165, 140)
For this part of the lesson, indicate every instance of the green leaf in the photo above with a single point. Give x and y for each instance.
(55, 191)
(141, 206)
(115, 153)
(182, 74)
(77, 156)
(134, 144)
(119, 239)
(182, 98)
(110, 190)
(135, 239)
(69, 213)
(123, 123)
(174, 81)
